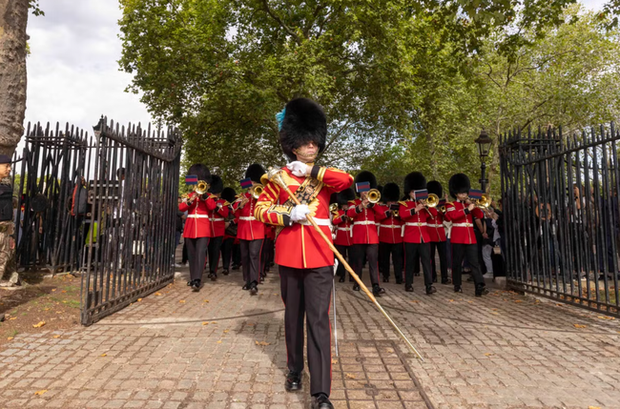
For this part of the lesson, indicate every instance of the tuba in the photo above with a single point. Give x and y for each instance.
(256, 191)
(374, 196)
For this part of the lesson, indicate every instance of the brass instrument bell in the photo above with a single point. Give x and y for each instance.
(201, 188)
(333, 208)
(256, 191)
(374, 196)
(432, 200)
(484, 202)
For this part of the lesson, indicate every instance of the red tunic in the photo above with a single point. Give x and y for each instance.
(300, 245)
(217, 217)
(415, 226)
(389, 226)
(343, 229)
(248, 228)
(435, 228)
(197, 223)
(270, 232)
(364, 223)
(462, 223)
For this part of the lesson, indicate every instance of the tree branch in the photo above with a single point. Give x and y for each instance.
(280, 22)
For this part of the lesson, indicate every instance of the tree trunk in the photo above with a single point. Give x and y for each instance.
(13, 39)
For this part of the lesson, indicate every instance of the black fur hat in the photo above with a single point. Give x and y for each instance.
(254, 172)
(228, 194)
(459, 183)
(380, 189)
(333, 198)
(304, 121)
(217, 185)
(414, 181)
(366, 176)
(435, 187)
(391, 192)
(201, 171)
(345, 196)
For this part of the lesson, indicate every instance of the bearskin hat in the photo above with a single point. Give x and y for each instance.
(459, 183)
(201, 171)
(346, 196)
(380, 189)
(333, 198)
(391, 192)
(414, 181)
(366, 176)
(228, 194)
(217, 185)
(254, 172)
(435, 187)
(304, 121)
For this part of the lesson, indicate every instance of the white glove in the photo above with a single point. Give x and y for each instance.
(298, 168)
(299, 213)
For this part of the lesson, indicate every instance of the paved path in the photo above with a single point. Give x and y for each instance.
(221, 348)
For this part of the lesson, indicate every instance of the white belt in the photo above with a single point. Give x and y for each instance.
(390, 226)
(219, 219)
(320, 222)
(435, 225)
(247, 218)
(462, 225)
(198, 216)
(364, 222)
(344, 228)
(419, 224)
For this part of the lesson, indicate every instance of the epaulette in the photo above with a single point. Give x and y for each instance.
(352, 201)
(402, 202)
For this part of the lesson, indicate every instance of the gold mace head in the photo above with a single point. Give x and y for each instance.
(275, 175)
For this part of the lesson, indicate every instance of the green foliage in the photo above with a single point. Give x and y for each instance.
(36, 10)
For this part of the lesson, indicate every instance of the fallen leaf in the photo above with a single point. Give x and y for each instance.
(389, 351)
(56, 336)
(518, 301)
(46, 309)
(63, 291)
(451, 300)
(12, 318)
(488, 354)
(205, 323)
(157, 293)
(206, 301)
(226, 331)
(182, 301)
(415, 301)
(213, 322)
(579, 326)
(350, 376)
(604, 317)
(104, 355)
(334, 361)
(262, 343)
(9, 338)
(39, 325)
(594, 407)
(139, 299)
(53, 289)
(41, 392)
(219, 342)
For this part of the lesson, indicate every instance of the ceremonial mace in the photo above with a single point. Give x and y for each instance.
(274, 175)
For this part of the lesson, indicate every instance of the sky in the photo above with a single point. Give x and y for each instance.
(73, 74)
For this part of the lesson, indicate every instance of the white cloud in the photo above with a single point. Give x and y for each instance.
(73, 74)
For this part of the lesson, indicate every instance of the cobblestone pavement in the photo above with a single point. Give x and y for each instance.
(222, 348)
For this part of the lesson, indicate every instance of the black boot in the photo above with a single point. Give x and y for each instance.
(341, 279)
(213, 276)
(293, 382)
(195, 285)
(356, 287)
(481, 290)
(409, 288)
(458, 289)
(386, 279)
(246, 286)
(321, 401)
(376, 290)
(225, 272)
(253, 288)
(446, 281)
(430, 290)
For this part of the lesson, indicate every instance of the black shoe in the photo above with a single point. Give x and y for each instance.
(399, 281)
(213, 276)
(189, 283)
(446, 281)
(435, 279)
(481, 290)
(416, 274)
(235, 267)
(196, 285)
(253, 288)
(458, 289)
(386, 279)
(356, 287)
(321, 402)
(225, 272)
(376, 290)
(430, 290)
(246, 287)
(341, 280)
(293, 382)
(409, 288)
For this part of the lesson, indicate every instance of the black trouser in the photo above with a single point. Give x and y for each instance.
(236, 254)
(480, 244)
(214, 253)
(412, 252)
(371, 252)
(440, 247)
(267, 255)
(341, 271)
(396, 251)
(197, 252)
(308, 292)
(470, 253)
(251, 259)
(227, 246)
(185, 256)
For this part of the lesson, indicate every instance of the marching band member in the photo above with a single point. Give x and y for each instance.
(364, 232)
(250, 232)
(217, 217)
(437, 233)
(305, 259)
(463, 239)
(342, 222)
(230, 231)
(415, 235)
(390, 237)
(197, 227)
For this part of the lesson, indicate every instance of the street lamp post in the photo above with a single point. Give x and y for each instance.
(484, 146)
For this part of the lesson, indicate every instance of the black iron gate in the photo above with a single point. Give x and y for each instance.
(562, 220)
(132, 197)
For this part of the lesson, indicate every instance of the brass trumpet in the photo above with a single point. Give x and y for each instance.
(333, 208)
(201, 188)
(256, 191)
(484, 202)
(374, 196)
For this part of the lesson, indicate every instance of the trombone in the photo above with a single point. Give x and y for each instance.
(432, 200)
(256, 191)
(200, 189)
(333, 208)
(484, 202)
